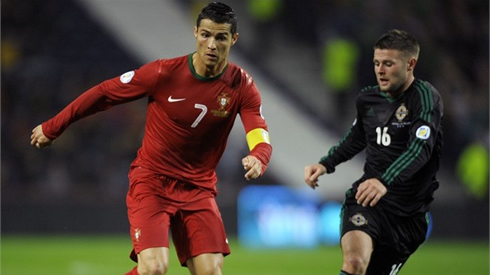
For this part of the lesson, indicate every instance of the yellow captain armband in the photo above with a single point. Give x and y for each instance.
(256, 136)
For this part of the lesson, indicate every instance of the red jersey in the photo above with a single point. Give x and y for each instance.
(188, 118)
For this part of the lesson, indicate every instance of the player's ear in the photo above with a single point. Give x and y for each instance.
(195, 32)
(411, 64)
(234, 39)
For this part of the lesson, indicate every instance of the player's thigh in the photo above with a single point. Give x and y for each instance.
(407, 234)
(155, 259)
(207, 263)
(149, 212)
(199, 230)
(358, 245)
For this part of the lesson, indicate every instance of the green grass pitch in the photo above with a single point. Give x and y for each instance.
(93, 255)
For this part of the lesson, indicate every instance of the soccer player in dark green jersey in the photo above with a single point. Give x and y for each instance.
(384, 215)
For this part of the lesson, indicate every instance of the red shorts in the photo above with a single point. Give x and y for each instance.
(157, 203)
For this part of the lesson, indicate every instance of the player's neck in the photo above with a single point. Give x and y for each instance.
(207, 70)
(402, 89)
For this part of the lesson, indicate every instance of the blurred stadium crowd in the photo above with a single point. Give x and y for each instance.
(52, 51)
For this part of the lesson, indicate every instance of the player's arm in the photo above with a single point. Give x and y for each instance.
(353, 142)
(423, 136)
(349, 146)
(121, 89)
(257, 134)
(260, 152)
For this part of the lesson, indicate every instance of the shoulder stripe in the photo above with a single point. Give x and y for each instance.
(367, 88)
(426, 100)
(403, 161)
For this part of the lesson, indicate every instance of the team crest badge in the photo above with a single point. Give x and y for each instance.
(401, 112)
(223, 101)
(358, 220)
(137, 234)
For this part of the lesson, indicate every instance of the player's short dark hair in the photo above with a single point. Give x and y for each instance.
(219, 13)
(399, 40)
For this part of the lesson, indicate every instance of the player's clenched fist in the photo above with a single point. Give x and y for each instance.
(312, 172)
(38, 139)
(253, 166)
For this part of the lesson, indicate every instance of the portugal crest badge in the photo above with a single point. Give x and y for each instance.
(223, 101)
(137, 234)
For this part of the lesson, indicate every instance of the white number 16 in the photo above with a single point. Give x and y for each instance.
(383, 137)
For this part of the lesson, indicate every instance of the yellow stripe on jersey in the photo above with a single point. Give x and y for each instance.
(256, 136)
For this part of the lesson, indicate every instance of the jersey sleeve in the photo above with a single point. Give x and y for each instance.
(254, 123)
(129, 86)
(353, 142)
(424, 133)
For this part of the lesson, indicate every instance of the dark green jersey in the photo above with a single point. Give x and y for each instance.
(403, 139)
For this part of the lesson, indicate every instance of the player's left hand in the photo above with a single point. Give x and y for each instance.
(253, 166)
(370, 192)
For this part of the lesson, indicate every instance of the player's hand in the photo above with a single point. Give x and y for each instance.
(253, 166)
(312, 173)
(370, 192)
(38, 139)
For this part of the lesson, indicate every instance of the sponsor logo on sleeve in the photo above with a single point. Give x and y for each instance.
(423, 132)
(126, 77)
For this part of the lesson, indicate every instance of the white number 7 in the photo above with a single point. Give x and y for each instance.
(204, 110)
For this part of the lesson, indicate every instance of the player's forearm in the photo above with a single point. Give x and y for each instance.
(263, 152)
(352, 143)
(88, 103)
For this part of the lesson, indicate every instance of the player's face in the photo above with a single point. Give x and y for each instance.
(394, 71)
(213, 44)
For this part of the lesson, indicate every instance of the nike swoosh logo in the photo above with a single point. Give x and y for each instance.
(170, 99)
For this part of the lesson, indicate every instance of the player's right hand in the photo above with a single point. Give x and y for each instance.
(312, 173)
(38, 139)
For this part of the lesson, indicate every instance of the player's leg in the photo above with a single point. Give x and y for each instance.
(206, 264)
(406, 235)
(149, 218)
(360, 230)
(153, 261)
(357, 247)
(199, 237)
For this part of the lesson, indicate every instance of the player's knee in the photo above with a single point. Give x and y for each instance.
(356, 263)
(153, 267)
(212, 267)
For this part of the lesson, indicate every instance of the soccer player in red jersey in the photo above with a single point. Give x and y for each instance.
(193, 101)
